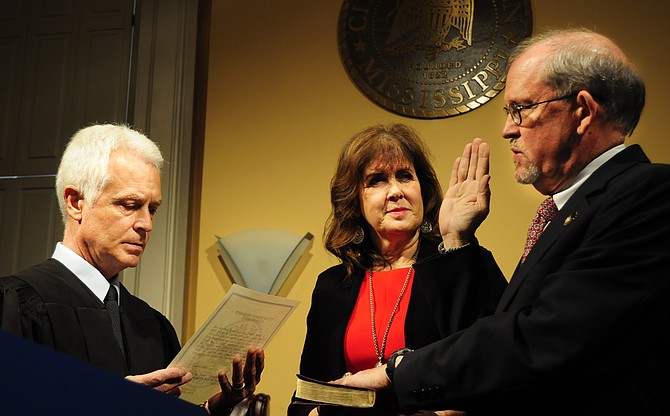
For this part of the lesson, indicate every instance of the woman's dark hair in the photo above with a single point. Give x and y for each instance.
(391, 144)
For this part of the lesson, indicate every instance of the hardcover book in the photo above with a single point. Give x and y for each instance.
(324, 393)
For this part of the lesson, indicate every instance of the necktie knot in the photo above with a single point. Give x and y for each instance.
(112, 295)
(545, 213)
(547, 210)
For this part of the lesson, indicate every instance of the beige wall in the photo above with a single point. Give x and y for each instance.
(280, 106)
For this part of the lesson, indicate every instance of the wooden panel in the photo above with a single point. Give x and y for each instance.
(13, 28)
(12, 13)
(48, 68)
(107, 9)
(46, 102)
(102, 72)
(39, 224)
(76, 70)
(53, 9)
(11, 49)
(103, 62)
(30, 222)
(8, 228)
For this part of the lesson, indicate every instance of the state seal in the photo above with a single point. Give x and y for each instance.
(430, 58)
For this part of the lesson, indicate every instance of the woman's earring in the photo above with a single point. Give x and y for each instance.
(426, 227)
(359, 236)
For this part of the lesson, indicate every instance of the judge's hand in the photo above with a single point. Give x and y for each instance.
(166, 380)
(373, 378)
(244, 380)
(466, 202)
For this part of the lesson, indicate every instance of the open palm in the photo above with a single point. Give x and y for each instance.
(466, 202)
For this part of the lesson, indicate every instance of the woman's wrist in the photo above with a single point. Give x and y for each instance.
(444, 250)
(453, 242)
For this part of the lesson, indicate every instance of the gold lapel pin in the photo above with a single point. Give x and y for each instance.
(573, 216)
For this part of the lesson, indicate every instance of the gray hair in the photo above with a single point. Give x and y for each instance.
(85, 162)
(577, 64)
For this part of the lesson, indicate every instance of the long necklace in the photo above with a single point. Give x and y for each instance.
(380, 354)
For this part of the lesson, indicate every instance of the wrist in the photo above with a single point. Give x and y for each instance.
(456, 239)
(394, 361)
(442, 248)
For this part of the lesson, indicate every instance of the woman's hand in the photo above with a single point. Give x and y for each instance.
(373, 378)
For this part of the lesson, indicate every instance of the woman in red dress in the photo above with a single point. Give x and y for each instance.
(390, 290)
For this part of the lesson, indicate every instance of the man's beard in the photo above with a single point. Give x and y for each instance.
(528, 175)
(530, 172)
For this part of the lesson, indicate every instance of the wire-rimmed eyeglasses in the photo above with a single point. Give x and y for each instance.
(514, 110)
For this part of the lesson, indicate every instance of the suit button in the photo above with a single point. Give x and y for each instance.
(434, 392)
(420, 394)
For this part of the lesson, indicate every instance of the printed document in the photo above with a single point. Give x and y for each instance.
(243, 319)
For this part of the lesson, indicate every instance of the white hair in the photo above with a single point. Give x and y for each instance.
(85, 162)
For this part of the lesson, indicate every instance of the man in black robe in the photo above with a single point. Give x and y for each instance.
(108, 188)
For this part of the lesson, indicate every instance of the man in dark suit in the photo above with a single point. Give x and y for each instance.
(108, 187)
(584, 325)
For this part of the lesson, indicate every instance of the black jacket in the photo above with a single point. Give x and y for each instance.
(51, 306)
(441, 302)
(583, 327)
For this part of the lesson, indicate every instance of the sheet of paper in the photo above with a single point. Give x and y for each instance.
(244, 318)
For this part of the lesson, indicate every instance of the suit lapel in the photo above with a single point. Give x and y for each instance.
(567, 216)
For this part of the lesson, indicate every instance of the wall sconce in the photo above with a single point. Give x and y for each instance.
(262, 258)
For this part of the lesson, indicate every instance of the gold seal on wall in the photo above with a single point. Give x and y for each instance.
(430, 58)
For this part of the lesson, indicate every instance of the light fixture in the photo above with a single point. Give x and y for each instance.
(262, 258)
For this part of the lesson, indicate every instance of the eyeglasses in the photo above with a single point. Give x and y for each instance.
(514, 110)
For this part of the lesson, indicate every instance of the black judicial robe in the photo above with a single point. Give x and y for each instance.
(48, 304)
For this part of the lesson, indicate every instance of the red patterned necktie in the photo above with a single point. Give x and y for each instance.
(545, 213)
